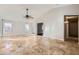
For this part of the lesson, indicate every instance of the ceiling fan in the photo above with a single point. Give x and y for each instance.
(27, 15)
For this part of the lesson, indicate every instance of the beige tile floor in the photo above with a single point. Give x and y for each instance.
(36, 45)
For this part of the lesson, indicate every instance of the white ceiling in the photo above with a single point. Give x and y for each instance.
(17, 11)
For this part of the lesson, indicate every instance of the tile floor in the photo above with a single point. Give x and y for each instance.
(36, 45)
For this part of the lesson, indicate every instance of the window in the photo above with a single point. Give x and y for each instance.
(7, 27)
(26, 27)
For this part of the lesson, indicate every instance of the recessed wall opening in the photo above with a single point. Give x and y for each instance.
(71, 28)
(40, 29)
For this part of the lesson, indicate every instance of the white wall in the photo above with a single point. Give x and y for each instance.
(54, 20)
(14, 14)
(18, 28)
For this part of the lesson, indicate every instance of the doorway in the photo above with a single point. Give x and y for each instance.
(71, 28)
(39, 29)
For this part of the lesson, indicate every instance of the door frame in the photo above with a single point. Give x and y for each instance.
(78, 25)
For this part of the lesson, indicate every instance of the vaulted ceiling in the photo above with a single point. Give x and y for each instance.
(17, 11)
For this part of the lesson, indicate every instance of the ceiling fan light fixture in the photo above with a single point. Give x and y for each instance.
(28, 16)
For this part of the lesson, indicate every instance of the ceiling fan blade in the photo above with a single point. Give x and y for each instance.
(31, 17)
